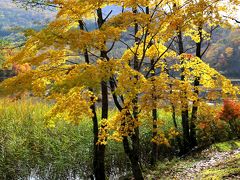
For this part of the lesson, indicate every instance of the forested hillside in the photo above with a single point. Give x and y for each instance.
(223, 53)
(14, 19)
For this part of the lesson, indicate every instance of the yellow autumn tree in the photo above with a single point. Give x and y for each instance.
(73, 65)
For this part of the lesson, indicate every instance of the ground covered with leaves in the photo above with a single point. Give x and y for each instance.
(220, 161)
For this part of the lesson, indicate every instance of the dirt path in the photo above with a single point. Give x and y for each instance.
(214, 163)
(209, 164)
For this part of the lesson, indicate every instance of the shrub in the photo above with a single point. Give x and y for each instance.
(230, 113)
(210, 128)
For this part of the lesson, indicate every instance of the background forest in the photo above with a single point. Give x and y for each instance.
(222, 55)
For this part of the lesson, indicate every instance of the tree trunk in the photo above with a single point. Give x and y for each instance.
(185, 126)
(154, 153)
(193, 136)
(133, 156)
(98, 150)
(184, 113)
(104, 91)
(134, 152)
(176, 127)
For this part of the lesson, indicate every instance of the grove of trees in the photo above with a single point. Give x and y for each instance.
(160, 67)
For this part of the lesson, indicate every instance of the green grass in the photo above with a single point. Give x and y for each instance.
(226, 146)
(28, 145)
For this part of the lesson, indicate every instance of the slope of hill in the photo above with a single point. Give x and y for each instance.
(220, 161)
(13, 19)
(223, 54)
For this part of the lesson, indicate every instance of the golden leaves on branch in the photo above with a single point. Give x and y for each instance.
(59, 72)
(74, 106)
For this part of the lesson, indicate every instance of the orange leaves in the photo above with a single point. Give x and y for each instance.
(21, 68)
(209, 127)
(70, 8)
(187, 56)
(230, 110)
(230, 113)
(163, 137)
(103, 132)
(160, 139)
(216, 123)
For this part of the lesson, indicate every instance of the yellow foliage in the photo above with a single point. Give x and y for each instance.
(147, 75)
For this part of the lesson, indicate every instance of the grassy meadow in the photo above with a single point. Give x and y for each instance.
(29, 148)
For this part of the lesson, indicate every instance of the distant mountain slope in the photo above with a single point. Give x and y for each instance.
(14, 19)
(223, 54)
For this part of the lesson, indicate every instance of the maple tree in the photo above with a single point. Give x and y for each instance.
(199, 25)
(73, 66)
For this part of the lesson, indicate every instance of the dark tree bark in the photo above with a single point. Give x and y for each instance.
(184, 113)
(154, 153)
(133, 156)
(98, 150)
(193, 136)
